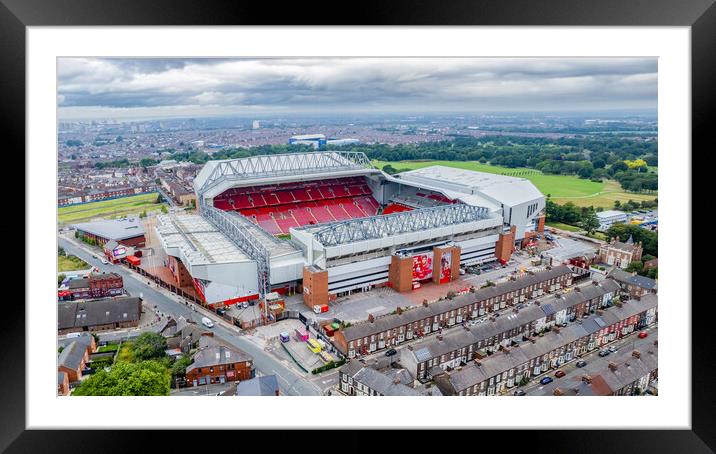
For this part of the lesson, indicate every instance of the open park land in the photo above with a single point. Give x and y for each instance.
(560, 188)
(114, 208)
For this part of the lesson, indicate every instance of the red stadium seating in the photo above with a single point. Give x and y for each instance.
(395, 208)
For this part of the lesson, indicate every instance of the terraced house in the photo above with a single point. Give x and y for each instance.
(494, 374)
(383, 332)
(458, 347)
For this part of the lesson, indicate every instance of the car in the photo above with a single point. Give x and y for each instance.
(546, 380)
(104, 262)
(520, 392)
(559, 374)
(604, 353)
(612, 348)
(207, 322)
(581, 363)
(642, 335)
(391, 352)
(564, 324)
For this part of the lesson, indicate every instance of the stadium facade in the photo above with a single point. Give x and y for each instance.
(327, 223)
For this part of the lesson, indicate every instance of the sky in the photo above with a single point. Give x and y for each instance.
(126, 88)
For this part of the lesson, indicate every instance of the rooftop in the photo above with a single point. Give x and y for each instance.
(113, 229)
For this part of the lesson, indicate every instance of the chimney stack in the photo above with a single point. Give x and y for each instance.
(425, 303)
(587, 379)
(555, 329)
(600, 312)
(557, 392)
(371, 318)
(577, 289)
(612, 366)
(399, 310)
(537, 303)
(636, 354)
(532, 339)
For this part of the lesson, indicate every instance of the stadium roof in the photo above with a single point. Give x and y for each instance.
(199, 241)
(376, 227)
(114, 229)
(501, 188)
(217, 176)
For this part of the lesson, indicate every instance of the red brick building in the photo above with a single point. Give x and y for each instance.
(218, 363)
(96, 286)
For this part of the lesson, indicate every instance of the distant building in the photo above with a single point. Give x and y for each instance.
(315, 140)
(610, 217)
(256, 124)
(342, 142)
(633, 284)
(620, 254)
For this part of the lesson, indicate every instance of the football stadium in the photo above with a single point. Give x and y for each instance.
(328, 223)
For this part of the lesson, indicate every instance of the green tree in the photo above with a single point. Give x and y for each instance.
(146, 162)
(590, 222)
(164, 209)
(60, 278)
(389, 169)
(61, 252)
(635, 266)
(149, 346)
(145, 378)
(178, 369)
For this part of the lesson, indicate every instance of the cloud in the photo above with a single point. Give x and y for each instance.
(115, 85)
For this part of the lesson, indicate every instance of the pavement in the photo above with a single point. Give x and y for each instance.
(291, 380)
(592, 358)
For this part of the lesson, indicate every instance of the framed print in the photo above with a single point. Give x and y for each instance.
(363, 224)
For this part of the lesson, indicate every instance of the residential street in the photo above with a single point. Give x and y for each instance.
(290, 382)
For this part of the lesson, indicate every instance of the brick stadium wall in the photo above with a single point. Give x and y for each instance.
(400, 273)
(315, 287)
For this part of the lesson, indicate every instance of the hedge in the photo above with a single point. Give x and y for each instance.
(328, 366)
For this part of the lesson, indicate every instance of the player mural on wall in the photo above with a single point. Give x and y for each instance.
(445, 268)
(422, 267)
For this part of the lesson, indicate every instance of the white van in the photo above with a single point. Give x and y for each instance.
(207, 322)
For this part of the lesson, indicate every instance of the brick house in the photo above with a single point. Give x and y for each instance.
(96, 286)
(633, 284)
(492, 375)
(74, 357)
(218, 363)
(356, 379)
(460, 346)
(100, 315)
(620, 254)
(390, 330)
(63, 384)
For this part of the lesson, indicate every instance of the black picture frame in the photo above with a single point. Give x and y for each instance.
(700, 15)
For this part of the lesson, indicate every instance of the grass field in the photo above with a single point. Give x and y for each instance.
(71, 263)
(559, 225)
(124, 206)
(561, 188)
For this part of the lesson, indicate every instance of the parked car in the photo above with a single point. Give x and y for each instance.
(559, 374)
(391, 352)
(604, 353)
(643, 334)
(546, 380)
(207, 322)
(520, 392)
(104, 261)
(581, 363)
(221, 311)
(612, 348)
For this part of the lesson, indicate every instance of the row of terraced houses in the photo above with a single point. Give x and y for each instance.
(459, 346)
(384, 332)
(493, 374)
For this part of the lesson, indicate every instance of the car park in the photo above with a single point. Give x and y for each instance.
(581, 363)
(546, 380)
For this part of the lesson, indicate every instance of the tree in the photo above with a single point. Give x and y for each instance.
(178, 369)
(389, 169)
(143, 214)
(164, 209)
(146, 162)
(145, 378)
(60, 278)
(590, 222)
(149, 346)
(61, 252)
(635, 267)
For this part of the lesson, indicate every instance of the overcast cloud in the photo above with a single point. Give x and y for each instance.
(127, 88)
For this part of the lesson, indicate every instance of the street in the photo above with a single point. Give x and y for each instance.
(290, 382)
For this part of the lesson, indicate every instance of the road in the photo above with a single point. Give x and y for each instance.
(630, 342)
(290, 382)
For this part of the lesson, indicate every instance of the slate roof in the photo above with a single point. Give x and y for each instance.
(114, 229)
(72, 355)
(83, 313)
(382, 324)
(217, 355)
(377, 381)
(266, 385)
(627, 278)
